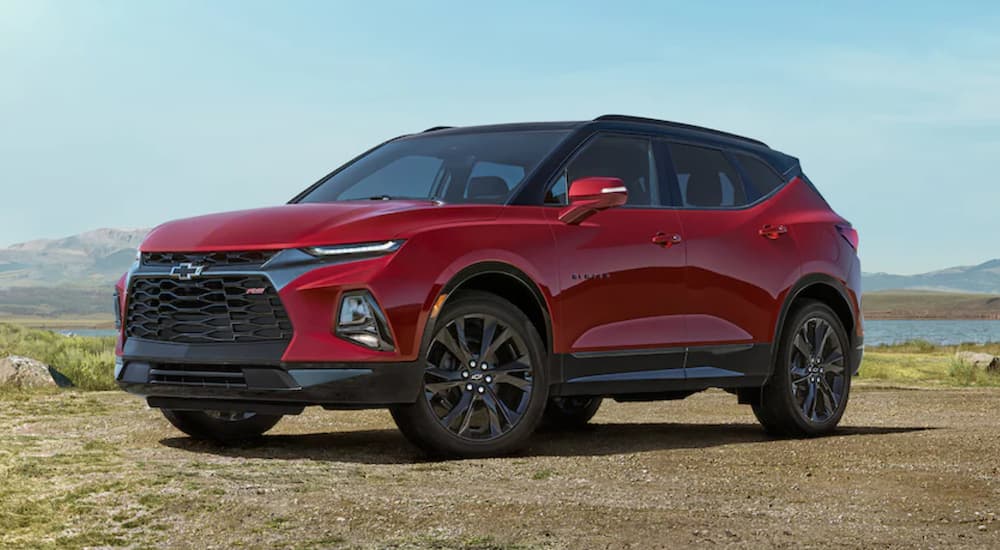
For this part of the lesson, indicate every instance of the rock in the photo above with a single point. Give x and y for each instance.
(983, 360)
(22, 372)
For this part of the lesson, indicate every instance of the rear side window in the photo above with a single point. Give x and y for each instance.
(763, 179)
(706, 178)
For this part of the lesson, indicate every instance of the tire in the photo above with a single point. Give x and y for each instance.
(570, 413)
(221, 427)
(784, 406)
(507, 397)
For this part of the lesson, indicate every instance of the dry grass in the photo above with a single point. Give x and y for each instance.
(910, 468)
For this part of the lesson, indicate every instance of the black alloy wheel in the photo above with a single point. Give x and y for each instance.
(484, 385)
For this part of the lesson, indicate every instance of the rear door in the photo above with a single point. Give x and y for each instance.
(621, 271)
(740, 256)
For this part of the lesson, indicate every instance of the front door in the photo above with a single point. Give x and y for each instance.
(621, 272)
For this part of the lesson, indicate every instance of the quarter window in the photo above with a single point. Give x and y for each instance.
(705, 178)
(763, 178)
(629, 159)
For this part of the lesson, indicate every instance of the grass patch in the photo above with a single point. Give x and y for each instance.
(88, 362)
(921, 362)
(543, 474)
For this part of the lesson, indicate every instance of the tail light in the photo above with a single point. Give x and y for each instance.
(849, 234)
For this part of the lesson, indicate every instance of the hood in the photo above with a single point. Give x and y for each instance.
(315, 224)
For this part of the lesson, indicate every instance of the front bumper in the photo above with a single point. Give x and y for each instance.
(288, 385)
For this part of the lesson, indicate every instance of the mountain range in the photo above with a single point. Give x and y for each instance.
(97, 258)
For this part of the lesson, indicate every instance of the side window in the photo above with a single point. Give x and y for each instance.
(763, 179)
(398, 178)
(706, 179)
(630, 159)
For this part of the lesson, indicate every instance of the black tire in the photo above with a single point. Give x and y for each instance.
(570, 413)
(808, 390)
(221, 427)
(508, 396)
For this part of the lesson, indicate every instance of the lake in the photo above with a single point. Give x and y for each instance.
(876, 332)
(935, 331)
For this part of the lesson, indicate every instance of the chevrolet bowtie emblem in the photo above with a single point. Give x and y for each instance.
(185, 272)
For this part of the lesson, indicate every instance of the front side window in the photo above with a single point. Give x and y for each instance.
(482, 168)
(705, 178)
(627, 158)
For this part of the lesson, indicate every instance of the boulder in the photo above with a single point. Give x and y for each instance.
(23, 372)
(985, 361)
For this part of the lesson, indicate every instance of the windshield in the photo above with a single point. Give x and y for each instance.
(458, 168)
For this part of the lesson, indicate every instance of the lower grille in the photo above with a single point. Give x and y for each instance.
(204, 376)
(206, 310)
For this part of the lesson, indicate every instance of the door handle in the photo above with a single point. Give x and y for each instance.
(772, 231)
(666, 241)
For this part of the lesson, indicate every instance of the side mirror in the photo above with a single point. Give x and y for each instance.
(587, 196)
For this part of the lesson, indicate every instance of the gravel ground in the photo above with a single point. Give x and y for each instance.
(910, 468)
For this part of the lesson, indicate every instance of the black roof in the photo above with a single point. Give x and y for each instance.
(626, 122)
(619, 119)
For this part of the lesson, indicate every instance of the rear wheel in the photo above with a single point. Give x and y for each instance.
(221, 426)
(808, 391)
(485, 382)
(567, 413)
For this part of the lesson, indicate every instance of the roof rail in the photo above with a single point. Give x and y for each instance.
(436, 128)
(679, 125)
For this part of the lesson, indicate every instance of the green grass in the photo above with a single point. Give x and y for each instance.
(922, 363)
(88, 362)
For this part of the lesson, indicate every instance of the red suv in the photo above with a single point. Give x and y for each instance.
(479, 281)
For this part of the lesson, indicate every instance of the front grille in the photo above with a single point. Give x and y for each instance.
(242, 258)
(206, 310)
(205, 376)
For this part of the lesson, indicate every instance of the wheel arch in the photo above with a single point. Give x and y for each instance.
(507, 282)
(823, 288)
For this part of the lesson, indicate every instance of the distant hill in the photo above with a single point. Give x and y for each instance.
(982, 278)
(92, 259)
(929, 304)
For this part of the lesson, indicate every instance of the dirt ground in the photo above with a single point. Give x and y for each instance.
(910, 468)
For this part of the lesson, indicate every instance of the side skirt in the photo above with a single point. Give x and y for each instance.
(639, 372)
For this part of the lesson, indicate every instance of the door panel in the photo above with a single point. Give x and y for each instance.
(739, 262)
(620, 292)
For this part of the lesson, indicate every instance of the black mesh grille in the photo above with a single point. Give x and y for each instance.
(207, 376)
(208, 259)
(206, 310)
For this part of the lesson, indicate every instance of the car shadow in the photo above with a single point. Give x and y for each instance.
(389, 447)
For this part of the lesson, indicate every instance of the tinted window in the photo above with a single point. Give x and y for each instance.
(397, 179)
(762, 178)
(455, 168)
(706, 179)
(629, 159)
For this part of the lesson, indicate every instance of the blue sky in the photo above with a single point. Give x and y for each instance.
(127, 114)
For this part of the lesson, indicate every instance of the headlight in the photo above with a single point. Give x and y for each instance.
(359, 249)
(360, 320)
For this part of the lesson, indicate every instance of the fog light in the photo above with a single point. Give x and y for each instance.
(118, 310)
(360, 320)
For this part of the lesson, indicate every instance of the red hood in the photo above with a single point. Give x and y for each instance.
(299, 225)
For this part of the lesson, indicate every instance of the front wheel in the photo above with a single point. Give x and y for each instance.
(485, 382)
(222, 426)
(808, 391)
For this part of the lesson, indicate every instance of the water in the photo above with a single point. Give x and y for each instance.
(935, 331)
